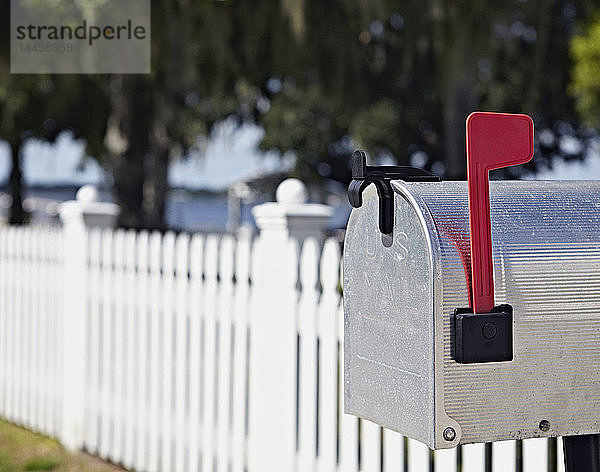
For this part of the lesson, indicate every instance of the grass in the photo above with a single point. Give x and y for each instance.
(41, 463)
(22, 450)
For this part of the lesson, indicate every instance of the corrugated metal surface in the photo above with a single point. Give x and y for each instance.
(546, 238)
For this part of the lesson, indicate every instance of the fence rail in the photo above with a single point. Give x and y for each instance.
(197, 352)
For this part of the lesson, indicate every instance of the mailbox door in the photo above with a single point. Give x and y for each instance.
(388, 303)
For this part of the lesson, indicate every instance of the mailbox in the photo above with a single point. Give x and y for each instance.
(443, 358)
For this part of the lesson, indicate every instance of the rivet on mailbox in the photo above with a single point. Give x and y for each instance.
(452, 338)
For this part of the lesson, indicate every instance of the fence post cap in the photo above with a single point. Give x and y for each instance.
(88, 211)
(291, 215)
(87, 194)
(291, 191)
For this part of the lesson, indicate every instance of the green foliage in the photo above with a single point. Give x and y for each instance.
(376, 127)
(304, 121)
(585, 82)
(402, 77)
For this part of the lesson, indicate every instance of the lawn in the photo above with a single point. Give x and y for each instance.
(22, 450)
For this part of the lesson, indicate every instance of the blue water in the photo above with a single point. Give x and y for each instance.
(202, 212)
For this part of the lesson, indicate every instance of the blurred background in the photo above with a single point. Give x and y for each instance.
(244, 93)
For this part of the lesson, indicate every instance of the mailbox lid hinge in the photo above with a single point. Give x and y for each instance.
(381, 176)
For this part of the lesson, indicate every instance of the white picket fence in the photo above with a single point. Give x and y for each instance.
(196, 352)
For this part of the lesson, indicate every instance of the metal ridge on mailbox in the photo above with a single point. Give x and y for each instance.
(472, 309)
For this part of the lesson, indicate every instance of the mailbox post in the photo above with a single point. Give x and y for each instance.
(452, 338)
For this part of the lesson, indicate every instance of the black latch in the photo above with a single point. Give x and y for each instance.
(381, 176)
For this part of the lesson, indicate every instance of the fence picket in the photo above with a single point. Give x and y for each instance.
(27, 341)
(129, 336)
(328, 368)
(240, 355)
(307, 401)
(370, 446)
(167, 333)
(418, 456)
(4, 316)
(39, 316)
(46, 331)
(142, 404)
(445, 460)
(209, 355)
(226, 271)
(30, 331)
(154, 367)
(19, 336)
(47, 348)
(10, 325)
(4, 320)
(560, 455)
(34, 282)
(503, 456)
(94, 327)
(195, 372)
(13, 294)
(107, 329)
(56, 303)
(535, 453)
(393, 451)
(181, 306)
(24, 343)
(473, 457)
(119, 313)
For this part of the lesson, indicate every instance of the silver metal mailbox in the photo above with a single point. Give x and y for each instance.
(400, 292)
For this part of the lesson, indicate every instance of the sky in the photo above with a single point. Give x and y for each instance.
(229, 155)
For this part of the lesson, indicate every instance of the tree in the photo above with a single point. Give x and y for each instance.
(131, 123)
(154, 117)
(145, 125)
(403, 77)
(43, 106)
(397, 78)
(585, 82)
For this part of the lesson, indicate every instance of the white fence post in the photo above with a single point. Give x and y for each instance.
(76, 215)
(74, 328)
(273, 344)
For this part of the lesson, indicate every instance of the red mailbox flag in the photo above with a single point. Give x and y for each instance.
(494, 140)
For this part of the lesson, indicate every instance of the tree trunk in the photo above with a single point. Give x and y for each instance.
(144, 126)
(129, 190)
(156, 189)
(127, 144)
(167, 99)
(17, 214)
